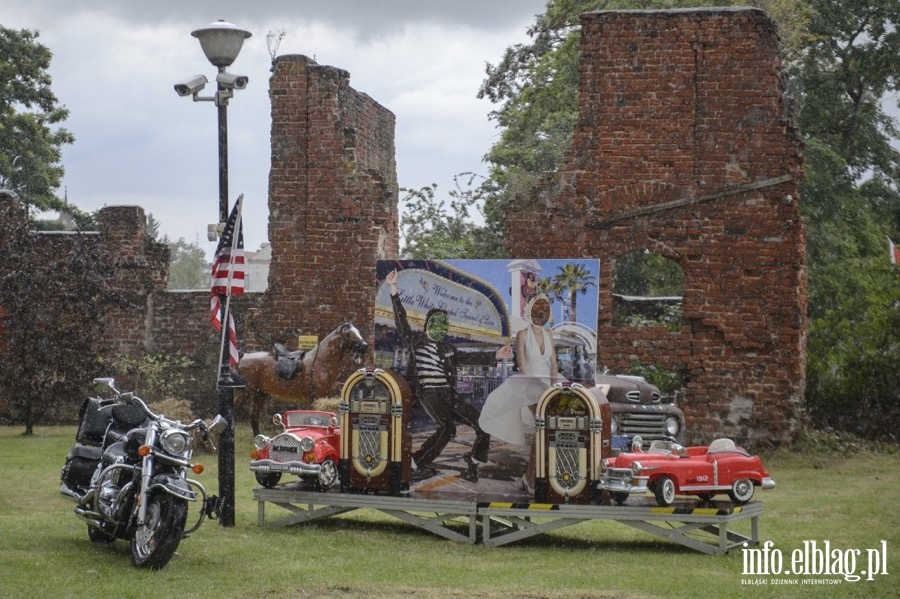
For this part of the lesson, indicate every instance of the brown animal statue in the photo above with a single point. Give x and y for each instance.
(320, 371)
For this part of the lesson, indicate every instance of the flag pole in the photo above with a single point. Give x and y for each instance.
(226, 312)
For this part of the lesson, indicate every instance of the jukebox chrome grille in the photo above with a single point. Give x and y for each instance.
(369, 444)
(567, 447)
(285, 448)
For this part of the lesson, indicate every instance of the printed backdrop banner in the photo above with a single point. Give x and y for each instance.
(485, 300)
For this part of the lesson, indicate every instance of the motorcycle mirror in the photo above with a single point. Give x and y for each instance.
(104, 384)
(218, 424)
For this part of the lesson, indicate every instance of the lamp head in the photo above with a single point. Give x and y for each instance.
(221, 42)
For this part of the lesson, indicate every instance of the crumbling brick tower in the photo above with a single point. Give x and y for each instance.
(332, 203)
(686, 147)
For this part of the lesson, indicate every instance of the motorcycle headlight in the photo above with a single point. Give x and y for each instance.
(672, 426)
(175, 442)
(306, 443)
(260, 441)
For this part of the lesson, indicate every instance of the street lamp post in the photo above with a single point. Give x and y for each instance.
(221, 43)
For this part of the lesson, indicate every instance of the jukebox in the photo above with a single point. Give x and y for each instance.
(572, 438)
(376, 432)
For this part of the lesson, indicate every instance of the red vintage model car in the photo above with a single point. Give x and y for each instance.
(309, 447)
(668, 469)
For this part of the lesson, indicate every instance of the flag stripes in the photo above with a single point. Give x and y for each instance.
(228, 277)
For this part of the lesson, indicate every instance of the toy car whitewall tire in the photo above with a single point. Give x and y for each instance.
(741, 491)
(665, 491)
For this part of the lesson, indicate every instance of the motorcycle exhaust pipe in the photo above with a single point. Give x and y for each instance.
(92, 518)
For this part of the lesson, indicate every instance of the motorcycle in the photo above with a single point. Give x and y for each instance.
(128, 474)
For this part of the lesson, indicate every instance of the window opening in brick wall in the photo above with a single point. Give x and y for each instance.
(647, 290)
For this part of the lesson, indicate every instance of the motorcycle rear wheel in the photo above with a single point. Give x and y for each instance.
(154, 544)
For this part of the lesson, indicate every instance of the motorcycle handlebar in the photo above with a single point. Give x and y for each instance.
(218, 423)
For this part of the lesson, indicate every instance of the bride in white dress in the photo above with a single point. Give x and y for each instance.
(508, 412)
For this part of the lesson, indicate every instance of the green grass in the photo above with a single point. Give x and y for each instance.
(850, 500)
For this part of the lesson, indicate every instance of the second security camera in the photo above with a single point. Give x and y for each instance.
(191, 86)
(230, 81)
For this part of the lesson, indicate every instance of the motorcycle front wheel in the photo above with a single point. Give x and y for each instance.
(154, 544)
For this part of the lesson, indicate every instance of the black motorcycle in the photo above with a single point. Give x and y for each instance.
(128, 474)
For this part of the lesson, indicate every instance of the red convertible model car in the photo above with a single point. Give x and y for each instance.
(309, 447)
(668, 469)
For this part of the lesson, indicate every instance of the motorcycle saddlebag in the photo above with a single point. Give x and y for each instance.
(80, 466)
(95, 417)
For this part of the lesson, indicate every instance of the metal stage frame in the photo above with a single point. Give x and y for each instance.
(495, 523)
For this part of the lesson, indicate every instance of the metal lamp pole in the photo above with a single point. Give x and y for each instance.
(221, 42)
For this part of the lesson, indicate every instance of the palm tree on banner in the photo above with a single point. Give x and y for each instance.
(573, 279)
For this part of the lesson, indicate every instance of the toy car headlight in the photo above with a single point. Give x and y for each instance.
(672, 426)
(260, 441)
(604, 464)
(636, 468)
(306, 443)
(613, 425)
(175, 442)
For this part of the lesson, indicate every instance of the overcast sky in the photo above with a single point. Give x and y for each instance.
(138, 143)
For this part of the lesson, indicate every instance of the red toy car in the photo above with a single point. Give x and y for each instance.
(309, 447)
(668, 469)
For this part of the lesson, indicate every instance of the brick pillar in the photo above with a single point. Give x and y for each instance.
(332, 203)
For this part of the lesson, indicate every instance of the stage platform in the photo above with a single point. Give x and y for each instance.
(493, 513)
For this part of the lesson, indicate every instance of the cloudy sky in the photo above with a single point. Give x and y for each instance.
(138, 143)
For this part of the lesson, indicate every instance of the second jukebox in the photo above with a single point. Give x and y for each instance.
(572, 438)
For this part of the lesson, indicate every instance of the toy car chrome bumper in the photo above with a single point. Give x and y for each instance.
(295, 468)
(622, 480)
(768, 483)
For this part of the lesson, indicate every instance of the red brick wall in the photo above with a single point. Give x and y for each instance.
(332, 203)
(681, 105)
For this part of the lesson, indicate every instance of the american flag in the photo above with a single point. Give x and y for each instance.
(228, 276)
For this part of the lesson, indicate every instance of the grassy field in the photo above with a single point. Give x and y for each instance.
(849, 497)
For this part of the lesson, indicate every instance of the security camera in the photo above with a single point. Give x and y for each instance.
(230, 81)
(191, 86)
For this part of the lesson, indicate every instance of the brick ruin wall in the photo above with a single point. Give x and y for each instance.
(333, 204)
(686, 146)
(674, 105)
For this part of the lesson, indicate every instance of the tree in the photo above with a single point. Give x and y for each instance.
(646, 274)
(152, 227)
(431, 230)
(57, 292)
(851, 204)
(571, 280)
(30, 139)
(188, 268)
